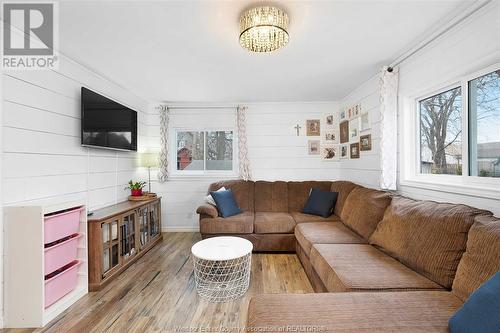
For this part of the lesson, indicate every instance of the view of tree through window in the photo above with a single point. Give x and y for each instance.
(484, 125)
(219, 150)
(441, 133)
(207, 150)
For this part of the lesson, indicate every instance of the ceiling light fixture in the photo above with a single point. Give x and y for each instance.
(263, 29)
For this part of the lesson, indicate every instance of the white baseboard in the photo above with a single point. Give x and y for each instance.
(180, 229)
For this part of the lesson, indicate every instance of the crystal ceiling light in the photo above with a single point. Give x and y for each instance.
(263, 29)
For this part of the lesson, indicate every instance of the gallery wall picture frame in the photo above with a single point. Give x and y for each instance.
(331, 136)
(313, 127)
(365, 142)
(344, 132)
(330, 120)
(365, 123)
(356, 110)
(313, 147)
(330, 152)
(344, 151)
(354, 130)
(343, 114)
(354, 150)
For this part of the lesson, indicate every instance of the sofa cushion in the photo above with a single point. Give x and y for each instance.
(320, 203)
(237, 224)
(303, 218)
(298, 192)
(480, 313)
(308, 234)
(243, 192)
(401, 312)
(363, 209)
(481, 258)
(273, 223)
(226, 203)
(271, 196)
(361, 267)
(210, 200)
(426, 236)
(343, 188)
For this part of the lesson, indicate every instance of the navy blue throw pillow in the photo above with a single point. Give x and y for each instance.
(320, 203)
(226, 203)
(481, 312)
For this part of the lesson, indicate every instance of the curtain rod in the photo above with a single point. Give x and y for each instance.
(199, 107)
(454, 22)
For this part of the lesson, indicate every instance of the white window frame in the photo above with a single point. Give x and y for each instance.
(202, 173)
(487, 187)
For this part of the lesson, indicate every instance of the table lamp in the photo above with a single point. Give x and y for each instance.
(148, 159)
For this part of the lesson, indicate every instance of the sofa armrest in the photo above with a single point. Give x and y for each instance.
(207, 209)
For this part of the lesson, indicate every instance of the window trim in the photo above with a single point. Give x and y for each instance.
(409, 159)
(201, 173)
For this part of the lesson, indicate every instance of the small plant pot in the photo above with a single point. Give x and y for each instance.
(136, 193)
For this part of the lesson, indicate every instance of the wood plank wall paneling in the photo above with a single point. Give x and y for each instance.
(365, 170)
(275, 153)
(467, 48)
(42, 159)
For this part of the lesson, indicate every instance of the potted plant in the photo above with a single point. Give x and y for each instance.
(136, 188)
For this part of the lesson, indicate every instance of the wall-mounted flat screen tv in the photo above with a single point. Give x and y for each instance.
(106, 123)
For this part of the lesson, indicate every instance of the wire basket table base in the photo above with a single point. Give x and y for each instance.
(222, 280)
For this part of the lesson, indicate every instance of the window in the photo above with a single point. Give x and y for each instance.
(441, 133)
(484, 125)
(457, 135)
(199, 152)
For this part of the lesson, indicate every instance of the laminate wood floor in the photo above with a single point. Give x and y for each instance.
(157, 294)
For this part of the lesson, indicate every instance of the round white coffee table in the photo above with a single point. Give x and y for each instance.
(222, 267)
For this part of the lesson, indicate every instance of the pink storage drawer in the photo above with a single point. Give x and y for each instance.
(61, 283)
(61, 225)
(61, 254)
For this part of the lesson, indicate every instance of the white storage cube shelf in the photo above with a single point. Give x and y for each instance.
(24, 278)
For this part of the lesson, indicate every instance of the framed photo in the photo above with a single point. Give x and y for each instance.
(331, 136)
(343, 114)
(344, 151)
(344, 132)
(313, 127)
(350, 113)
(354, 130)
(329, 120)
(356, 110)
(313, 147)
(330, 152)
(355, 150)
(365, 142)
(365, 121)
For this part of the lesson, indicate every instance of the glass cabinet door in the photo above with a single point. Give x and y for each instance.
(154, 219)
(143, 213)
(110, 236)
(127, 232)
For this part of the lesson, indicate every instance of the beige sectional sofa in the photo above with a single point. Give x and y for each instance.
(380, 263)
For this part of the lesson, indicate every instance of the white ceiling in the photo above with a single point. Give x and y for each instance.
(188, 51)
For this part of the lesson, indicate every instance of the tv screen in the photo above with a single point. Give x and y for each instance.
(106, 123)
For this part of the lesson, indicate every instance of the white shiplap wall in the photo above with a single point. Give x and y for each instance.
(365, 170)
(274, 150)
(472, 45)
(42, 159)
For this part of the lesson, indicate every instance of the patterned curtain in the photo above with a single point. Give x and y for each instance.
(164, 135)
(244, 163)
(389, 119)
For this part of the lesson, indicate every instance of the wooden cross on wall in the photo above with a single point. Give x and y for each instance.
(297, 127)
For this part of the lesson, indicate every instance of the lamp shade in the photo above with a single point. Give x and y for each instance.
(148, 159)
